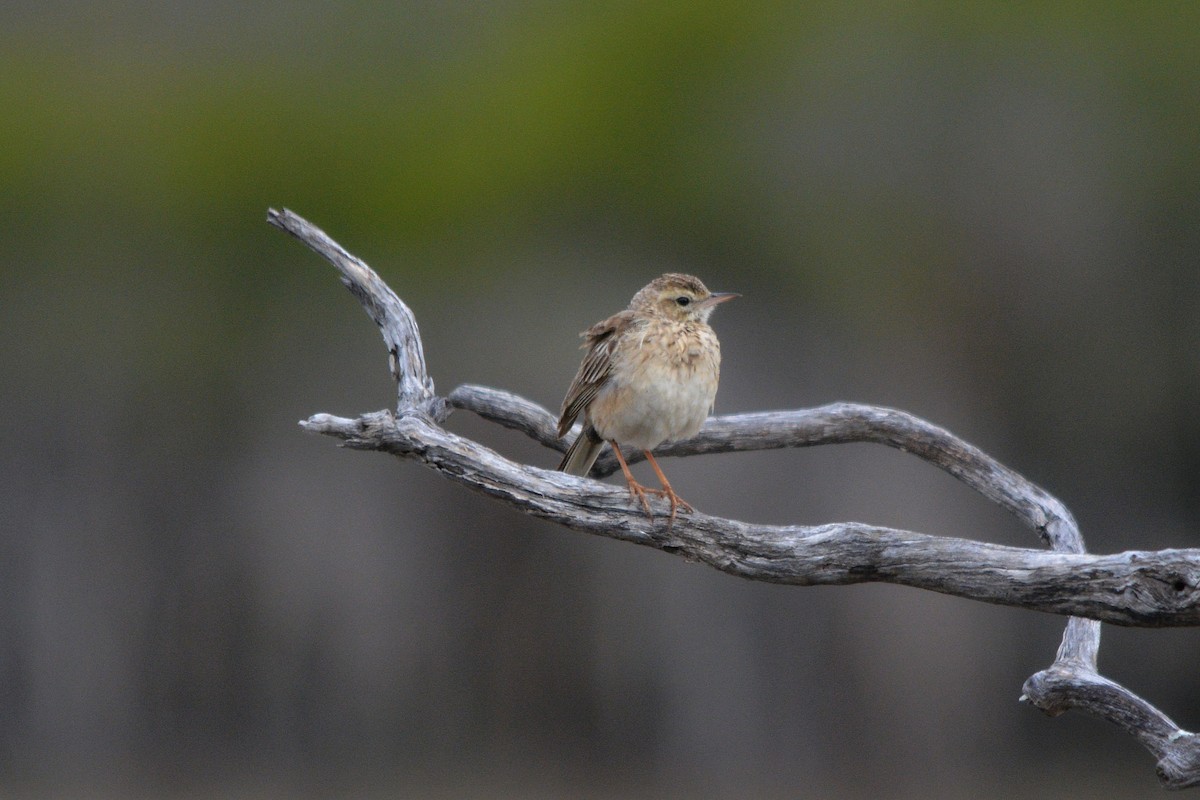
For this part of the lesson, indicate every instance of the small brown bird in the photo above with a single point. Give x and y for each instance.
(650, 375)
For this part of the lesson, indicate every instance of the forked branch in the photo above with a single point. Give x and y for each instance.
(1160, 588)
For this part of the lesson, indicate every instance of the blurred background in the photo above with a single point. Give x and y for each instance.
(985, 214)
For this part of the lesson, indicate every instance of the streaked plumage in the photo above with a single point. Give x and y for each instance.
(650, 375)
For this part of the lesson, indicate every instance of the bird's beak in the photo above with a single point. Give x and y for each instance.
(717, 297)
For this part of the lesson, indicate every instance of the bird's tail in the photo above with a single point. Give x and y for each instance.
(582, 453)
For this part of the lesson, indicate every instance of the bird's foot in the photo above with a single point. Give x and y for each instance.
(677, 503)
(667, 493)
(639, 492)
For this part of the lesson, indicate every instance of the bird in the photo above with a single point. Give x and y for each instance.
(649, 375)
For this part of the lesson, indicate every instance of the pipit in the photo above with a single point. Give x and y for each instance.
(649, 376)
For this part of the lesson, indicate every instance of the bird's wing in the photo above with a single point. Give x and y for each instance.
(594, 371)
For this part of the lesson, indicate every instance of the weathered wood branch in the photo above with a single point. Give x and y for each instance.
(406, 355)
(1155, 589)
(1133, 588)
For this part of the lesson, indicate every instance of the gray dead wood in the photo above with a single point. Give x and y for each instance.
(1150, 589)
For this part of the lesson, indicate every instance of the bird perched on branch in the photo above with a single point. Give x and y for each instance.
(650, 375)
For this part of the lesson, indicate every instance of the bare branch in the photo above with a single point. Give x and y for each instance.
(1134, 588)
(396, 322)
(1056, 690)
(1152, 589)
(838, 423)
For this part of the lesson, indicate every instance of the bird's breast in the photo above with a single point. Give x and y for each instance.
(661, 388)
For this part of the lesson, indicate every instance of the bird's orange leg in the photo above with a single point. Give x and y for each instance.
(667, 492)
(635, 488)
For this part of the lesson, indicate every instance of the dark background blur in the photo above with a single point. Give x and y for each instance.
(985, 214)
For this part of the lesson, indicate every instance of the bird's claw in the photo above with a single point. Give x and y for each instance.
(639, 492)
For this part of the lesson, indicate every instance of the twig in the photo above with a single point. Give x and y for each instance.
(406, 356)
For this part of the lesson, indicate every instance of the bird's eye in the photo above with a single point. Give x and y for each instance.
(683, 300)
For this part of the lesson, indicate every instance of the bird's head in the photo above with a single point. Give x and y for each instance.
(679, 297)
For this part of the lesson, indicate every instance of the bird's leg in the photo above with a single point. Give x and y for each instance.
(667, 491)
(635, 488)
